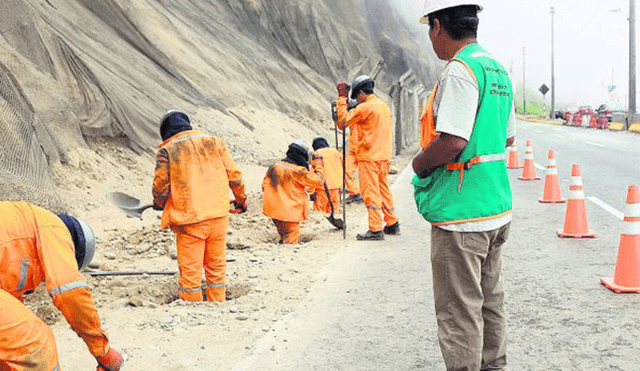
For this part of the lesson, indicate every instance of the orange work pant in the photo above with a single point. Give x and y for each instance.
(26, 343)
(376, 193)
(322, 202)
(351, 167)
(202, 244)
(289, 231)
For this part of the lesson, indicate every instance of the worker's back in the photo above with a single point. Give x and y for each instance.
(284, 191)
(332, 166)
(374, 129)
(198, 172)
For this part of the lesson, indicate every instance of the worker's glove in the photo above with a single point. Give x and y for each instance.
(317, 160)
(241, 207)
(343, 89)
(112, 361)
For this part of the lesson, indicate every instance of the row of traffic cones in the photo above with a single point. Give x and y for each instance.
(627, 273)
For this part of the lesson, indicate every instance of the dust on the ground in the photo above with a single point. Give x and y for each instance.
(141, 313)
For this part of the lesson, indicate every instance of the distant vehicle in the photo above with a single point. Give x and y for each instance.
(559, 114)
(605, 110)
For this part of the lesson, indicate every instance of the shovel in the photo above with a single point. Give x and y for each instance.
(130, 205)
(338, 223)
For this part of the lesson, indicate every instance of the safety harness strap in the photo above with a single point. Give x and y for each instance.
(462, 166)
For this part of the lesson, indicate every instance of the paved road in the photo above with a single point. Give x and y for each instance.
(373, 309)
(609, 161)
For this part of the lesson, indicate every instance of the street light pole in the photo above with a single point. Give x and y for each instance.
(632, 58)
(524, 84)
(552, 114)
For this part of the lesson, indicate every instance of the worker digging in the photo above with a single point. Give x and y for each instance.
(38, 246)
(193, 177)
(373, 122)
(284, 188)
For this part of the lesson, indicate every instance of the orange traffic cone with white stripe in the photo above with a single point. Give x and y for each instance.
(627, 274)
(514, 158)
(552, 184)
(575, 220)
(529, 171)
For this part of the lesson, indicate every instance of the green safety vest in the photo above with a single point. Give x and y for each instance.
(477, 187)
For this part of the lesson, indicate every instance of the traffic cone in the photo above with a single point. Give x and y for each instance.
(551, 184)
(529, 171)
(514, 158)
(575, 220)
(627, 274)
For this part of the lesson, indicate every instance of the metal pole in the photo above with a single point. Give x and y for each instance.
(552, 113)
(632, 58)
(524, 84)
(344, 180)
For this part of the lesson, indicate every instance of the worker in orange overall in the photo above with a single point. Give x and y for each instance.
(284, 188)
(330, 160)
(38, 246)
(373, 121)
(193, 178)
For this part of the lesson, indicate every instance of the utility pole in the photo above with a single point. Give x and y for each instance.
(552, 113)
(524, 83)
(632, 58)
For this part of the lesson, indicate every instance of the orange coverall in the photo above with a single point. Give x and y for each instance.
(193, 176)
(330, 160)
(374, 123)
(285, 197)
(36, 246)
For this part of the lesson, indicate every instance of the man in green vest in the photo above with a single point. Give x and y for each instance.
(462, 188)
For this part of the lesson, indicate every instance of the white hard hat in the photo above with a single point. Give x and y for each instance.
(358, 83)
(302, 145)
(431, 6)
(89, 244)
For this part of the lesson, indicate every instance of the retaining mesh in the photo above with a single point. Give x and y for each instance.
(25, 146)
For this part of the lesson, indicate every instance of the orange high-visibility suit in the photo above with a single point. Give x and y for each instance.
(374, 123)
(330, 160)
(285, 197)
(36, 246)
(193, 176)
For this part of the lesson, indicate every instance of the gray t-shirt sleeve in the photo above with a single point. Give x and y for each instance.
(456, 101)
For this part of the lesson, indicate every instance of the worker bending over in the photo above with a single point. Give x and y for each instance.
(373, 123)
(330, 161)
(193, 177)
(284, 190)
(38, 246)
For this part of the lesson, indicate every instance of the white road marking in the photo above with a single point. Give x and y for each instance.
(559, 136)
(539, 131)
(595, 144)
(615, 212)
(538, 166)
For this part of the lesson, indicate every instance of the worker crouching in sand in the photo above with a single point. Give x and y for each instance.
(38, 246)
(194, 174)
(284, 190)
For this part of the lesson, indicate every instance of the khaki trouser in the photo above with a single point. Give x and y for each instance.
(469, 298)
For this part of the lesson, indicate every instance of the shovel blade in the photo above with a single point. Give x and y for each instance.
(338, 223)
(128, 204)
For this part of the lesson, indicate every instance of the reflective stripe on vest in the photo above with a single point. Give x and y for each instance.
(67, 287)
(24, 269)
(462, 166)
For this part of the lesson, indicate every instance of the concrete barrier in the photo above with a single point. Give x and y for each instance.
(635, 128)
(618, 122)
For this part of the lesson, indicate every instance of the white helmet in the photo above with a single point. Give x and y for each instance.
(431, 6)
(302, 145)
(89, 244)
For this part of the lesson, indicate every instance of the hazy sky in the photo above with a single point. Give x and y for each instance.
(591, 44)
